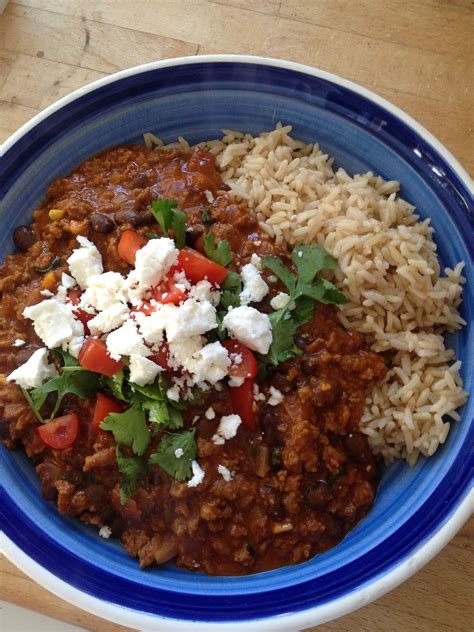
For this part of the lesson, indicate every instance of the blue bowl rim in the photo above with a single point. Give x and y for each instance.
(358, 597)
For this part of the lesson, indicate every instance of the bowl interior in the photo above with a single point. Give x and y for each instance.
(197, 101)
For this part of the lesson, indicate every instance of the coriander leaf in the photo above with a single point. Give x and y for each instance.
(129, 428)
(157, 411)
(152, 235)
(181, 468)
(311, 259)
(117, 386)
(324, 291)
(230, 290)
(169, 216)
(221, 254)
(303, 312)
(55, 263)
(283, 347)
(285, 276)
(67, 358)
(131, 469)
(156, 390)
(175, 418)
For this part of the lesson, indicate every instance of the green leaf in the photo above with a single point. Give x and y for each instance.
(326, 292)
(311, 259)
(55, 263)
(152, 235)
(206, 216)
(283, 347)
(230, 290)
(118, 386)
(303, 312)
(221, 254)
(157, 390)
(165, 457)
(168, 216)
(285, 276)
(129, 428)
(132, 470)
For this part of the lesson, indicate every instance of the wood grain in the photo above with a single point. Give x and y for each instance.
(417, 53)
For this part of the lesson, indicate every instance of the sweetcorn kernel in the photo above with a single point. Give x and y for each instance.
(48, 281)
(56, 214)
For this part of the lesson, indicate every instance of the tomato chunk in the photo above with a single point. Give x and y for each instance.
(103, 406)
(241, 398)
(197, 267)
(243, 362)
(60, 433)
(167, 291)
(161, 357)
(130, 242)
(95, 357)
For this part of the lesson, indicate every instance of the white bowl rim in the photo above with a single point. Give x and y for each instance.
(292, 621)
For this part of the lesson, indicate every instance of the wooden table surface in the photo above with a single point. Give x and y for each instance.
(419, 54)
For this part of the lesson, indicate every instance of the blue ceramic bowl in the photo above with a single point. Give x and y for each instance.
(416, 511)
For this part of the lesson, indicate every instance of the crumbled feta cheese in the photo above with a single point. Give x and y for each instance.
(142, 370)
(236, 358)
(34, 371)
(153, 261)
(210, 364)
(257, 395)
(67, 281)
(182, 351)
(191, 319)
(52, 321)
(105, 532)
(109, 319)
(46, 293)
(272, 278)
(152, 326)
(173, 393)
(256, 261)
(226, 474)
(251, 327)
(180, 281)
(103, 290)
(275, 396)
(178, 453)
(19, 342)
(227, 428)
(75, 342)
(202, 291)
(210, 414)
(255, 288)
(280, 300)
(235, 382)
(85, 261)
(198, 475)
(126, 341)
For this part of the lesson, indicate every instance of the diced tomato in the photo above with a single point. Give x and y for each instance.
(161, 357)
(197, 267)
(243, 361)
(60, 433)
(167, 292)
(74, 295)
(95, 357)
(104, 405)
(241, 398)
(130, 242)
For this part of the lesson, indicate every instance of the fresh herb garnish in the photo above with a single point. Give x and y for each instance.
(118, 386)
(303, 289)
(221, 253)
(206, 217)
(55, 263)
(169, 216)
(129, 428)
(132, 469)
(152, 235)
(230, 290)
(179, 468)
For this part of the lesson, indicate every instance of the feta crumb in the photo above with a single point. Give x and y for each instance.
(255, 288)
(103, 290)
(126, 341)
(67, 281)
(210, 364)
(256, 261)
(19, 342)
(105, 532)
(52, 321)
(202, 291)
(34, 371)
(276, 397)
(195, 419)
(236, 358)
(173, 393)
(178, 453)
(210, 414)
(257, 395)
(226, 474)
(153, 261)
(152, 326)
(280, 300)
(85, 261)
(74, 344)
(142, 370)
(227, 428)
(235, 382)
(251, 327)
(109, 319)
(182, 351)
(46, 293)
(191, 319)
(198, 475)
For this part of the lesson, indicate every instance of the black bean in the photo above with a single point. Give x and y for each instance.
(193, 233)
(127, 217)
(23, 237)
(146, 217)
(101, 222)
(310, 364)
(317, 494)
(269, 422)
(357, 445)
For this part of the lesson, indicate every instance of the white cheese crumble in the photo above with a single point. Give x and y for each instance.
(173, 393)
(153, 261)
(191, 319)
(203, 291)
(255, 288)
(251, 327)
(34, 371)
(226, 474)
(85, 261)
(46, 293)
(109, 319)
(75, 342)
(142, 370)
(19, 342)
(182, 352)
(105, 532)
(198, 475)
(210, 364)
(152, 326)
(210, 414)
(272, 278)
(227, 428)
(126, 341)
(256, 261)
(52, 321)
(178, 453)
(280, 300)
(235, 382)
(67, 281)
(103, 290)
(257, 395)
(276, 397)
